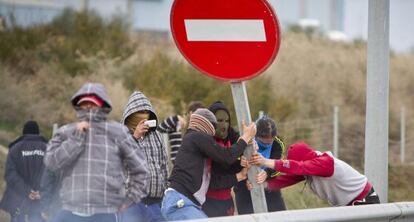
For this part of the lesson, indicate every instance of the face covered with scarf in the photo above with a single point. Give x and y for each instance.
(223, 124)
(265, 145)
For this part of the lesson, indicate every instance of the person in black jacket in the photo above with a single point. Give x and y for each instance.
(24, 169)
(219, 201)
(271, 146)
(190, 177)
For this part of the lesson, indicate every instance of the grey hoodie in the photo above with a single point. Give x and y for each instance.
(152, 145)
(92, 161)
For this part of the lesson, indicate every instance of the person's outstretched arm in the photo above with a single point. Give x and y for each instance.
(276, 183)
(223, 155)
(168, 125)
(320, 166)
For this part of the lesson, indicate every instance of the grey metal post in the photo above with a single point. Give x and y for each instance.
(55, 128)
(168, 151)
(241, 105)
(336, 132)
(376, 129)
(402, 139)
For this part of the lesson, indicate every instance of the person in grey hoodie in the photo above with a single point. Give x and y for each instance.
(136, 113)
(91, 154)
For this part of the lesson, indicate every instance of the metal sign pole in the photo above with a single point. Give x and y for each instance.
(55, 128)
(241, 105)
(336, 132)
(402, 139)
(377, 111)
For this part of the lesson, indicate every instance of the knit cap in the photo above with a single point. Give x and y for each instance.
(31, 127)
(203, 120)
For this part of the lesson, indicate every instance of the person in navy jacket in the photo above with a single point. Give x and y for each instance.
(328, 177)
(24, 168)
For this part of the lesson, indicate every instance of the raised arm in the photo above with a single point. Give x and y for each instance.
(283, 181)
(64, 148)
(320, 166)
(168, 125)
(223, 155)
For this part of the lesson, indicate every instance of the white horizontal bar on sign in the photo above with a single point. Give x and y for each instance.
(230, 30)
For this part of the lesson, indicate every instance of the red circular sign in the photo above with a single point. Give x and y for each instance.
(226, 39)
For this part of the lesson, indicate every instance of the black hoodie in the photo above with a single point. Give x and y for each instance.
(224, 176)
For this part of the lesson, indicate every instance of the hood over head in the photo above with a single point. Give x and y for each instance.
(93, 89)
(218, 105)
(138, 102)
(301, 152)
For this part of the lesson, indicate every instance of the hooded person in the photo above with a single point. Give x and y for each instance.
(24, 167)
(270, 146)
(137, 111)
(190, 177)
(219, 201)
(329, 178)
(90, 154)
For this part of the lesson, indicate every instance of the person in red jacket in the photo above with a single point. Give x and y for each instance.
(328, 177)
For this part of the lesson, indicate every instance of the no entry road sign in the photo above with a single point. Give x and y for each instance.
(226, 39)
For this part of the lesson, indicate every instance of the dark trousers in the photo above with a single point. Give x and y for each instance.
(244, 204)
(218, 208)
(370, 198)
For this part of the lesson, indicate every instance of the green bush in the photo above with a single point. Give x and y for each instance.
(65, 40)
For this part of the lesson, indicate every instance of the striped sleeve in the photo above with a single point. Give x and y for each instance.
(168, 125)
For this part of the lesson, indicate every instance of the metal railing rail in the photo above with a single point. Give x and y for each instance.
(389, 212)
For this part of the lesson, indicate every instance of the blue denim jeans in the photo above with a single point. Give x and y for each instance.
(176, 206)
(140, 212)
(67, 216)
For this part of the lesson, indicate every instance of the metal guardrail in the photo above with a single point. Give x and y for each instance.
(390, 212)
